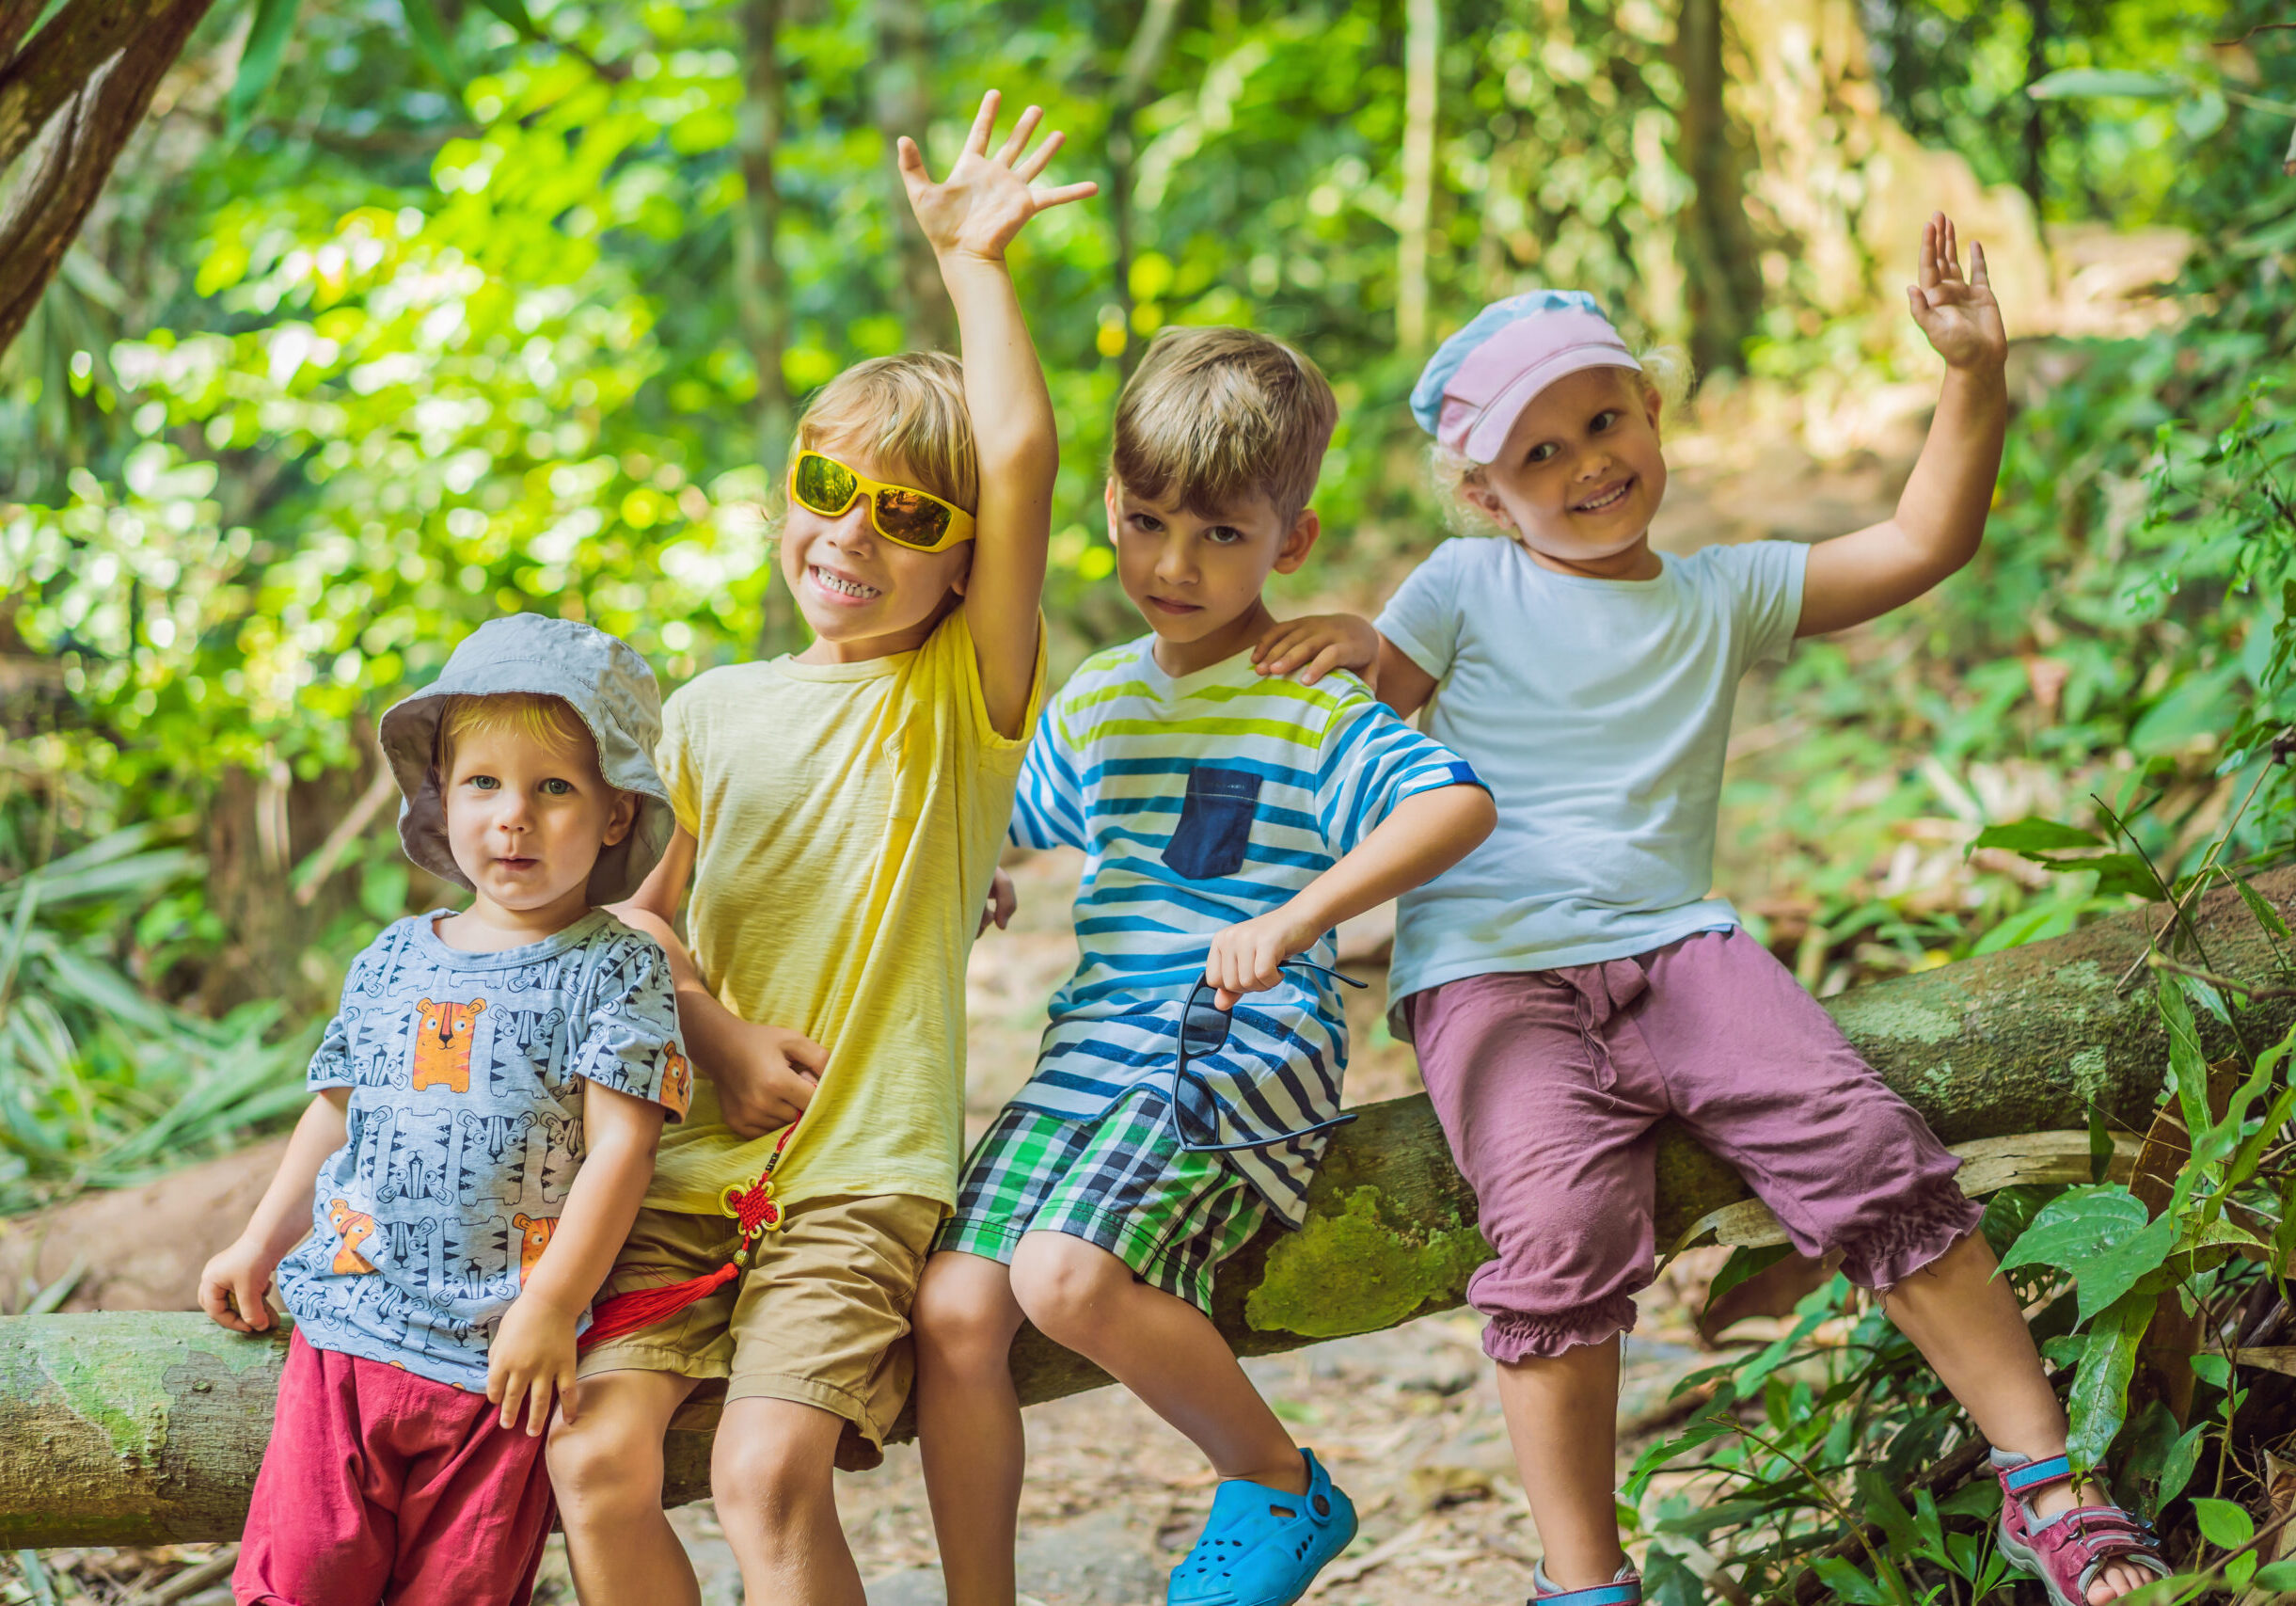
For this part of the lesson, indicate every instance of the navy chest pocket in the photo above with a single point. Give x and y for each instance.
(1215, 824)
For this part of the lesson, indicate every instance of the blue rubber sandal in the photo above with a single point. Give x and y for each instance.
(1263, 1546)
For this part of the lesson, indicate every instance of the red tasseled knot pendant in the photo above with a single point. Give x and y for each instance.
(643, 1307)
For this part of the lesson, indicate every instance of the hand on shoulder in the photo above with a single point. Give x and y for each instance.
(1317, 644)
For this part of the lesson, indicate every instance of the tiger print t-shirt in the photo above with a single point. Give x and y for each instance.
(467, 1073)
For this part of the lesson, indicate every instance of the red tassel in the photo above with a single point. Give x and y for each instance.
(643, 1307)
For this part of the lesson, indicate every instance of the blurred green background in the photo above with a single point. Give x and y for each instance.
(401, 314)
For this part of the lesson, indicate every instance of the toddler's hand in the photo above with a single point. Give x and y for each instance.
(531, 1357)
(986, 199)
(1002, 900)
(1323, 642)
(1248, 957)
(771, 1082)
(232, 1285)
(1959, 315)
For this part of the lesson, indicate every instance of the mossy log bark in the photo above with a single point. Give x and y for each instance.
(136, 1428)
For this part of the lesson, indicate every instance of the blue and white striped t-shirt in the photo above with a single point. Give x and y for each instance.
(1201, 801)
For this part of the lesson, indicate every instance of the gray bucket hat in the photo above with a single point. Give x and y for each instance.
(599, 676)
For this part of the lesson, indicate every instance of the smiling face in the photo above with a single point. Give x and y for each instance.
(1196, 578)
(1581, 475)
(527, 818)
(864, 597)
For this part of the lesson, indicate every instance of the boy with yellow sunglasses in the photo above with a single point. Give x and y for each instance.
(839, 816)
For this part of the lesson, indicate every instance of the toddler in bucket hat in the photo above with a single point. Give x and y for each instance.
(599, 677)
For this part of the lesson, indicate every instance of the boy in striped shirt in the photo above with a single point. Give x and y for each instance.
(1230, 820)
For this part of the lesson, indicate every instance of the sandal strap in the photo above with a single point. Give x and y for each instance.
(2023, 1479)
(1601, 1595)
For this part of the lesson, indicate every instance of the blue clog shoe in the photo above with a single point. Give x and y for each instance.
(1263, 1546)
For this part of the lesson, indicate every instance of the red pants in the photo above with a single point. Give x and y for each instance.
(380, 1485)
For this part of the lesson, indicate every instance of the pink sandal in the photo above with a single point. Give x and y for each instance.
(2068, 1550)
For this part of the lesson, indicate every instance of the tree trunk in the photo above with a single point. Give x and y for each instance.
(1422, 47)
(761, 289)
(901, 70)
(1140, 60)
(138, 1429)
(68, 101)
(1717, 248)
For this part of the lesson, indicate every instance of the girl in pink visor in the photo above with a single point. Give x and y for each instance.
(1574, 979)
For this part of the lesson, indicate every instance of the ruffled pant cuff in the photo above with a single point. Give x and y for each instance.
(1513, 1336)
(1919, 1228)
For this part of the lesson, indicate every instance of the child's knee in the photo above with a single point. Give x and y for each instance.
(1068, 1287)
(965, 1320)
(781, 1480)
(606, 1459)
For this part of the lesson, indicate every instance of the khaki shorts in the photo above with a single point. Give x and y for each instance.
(821, 1316)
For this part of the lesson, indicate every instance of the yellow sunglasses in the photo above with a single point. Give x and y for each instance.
(901, 513)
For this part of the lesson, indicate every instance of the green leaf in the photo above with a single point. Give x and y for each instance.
(2222, 1523)
(2239, 1570)
(1849, 1584)
(1745, 1261)
(259, 63)
(2279, 1576)
(2030, 837)
(517, 15)
(2118, 875)
(430, 35)
(2283, 1233)
(2201, 117)
(2259, 906)
(2177, 1468)
(2214, 1370)
(2188, 1065)
(2099, 1399)
(2083, 82)
(2103, 1237)
(1885, 1511)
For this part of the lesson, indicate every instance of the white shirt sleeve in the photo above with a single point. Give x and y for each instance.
(1423, 617)
(1764, 580)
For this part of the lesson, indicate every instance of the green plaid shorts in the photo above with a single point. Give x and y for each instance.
(1121, 1183)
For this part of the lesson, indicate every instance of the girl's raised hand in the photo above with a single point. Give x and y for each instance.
(987, 198)
(1959, 315)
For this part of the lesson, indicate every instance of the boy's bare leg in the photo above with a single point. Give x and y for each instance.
(772, 1476)
(1161, 1347)
(1563, 1416)
(1966, 1322)
(607, 1469)
(969, 1422)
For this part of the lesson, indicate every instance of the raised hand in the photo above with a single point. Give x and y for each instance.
(987, 199)
(1959, 315)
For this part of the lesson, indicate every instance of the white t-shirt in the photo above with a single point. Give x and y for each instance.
(1598, 712)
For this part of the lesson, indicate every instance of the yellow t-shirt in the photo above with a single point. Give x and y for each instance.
(848, 818)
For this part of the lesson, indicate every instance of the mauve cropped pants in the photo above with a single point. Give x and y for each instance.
(1548, 1084)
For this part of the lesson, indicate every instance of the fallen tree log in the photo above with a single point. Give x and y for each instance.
(142, 1428)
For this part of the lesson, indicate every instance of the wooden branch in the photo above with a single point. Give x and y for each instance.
(136, 1429)
(68, 103)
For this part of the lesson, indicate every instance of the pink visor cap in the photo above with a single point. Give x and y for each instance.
(1476, 384)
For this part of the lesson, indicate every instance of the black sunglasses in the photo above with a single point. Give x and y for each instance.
(1203, 1029)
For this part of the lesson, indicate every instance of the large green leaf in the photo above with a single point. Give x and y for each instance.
(2102, 1236)
(2034, 835)
(2099, 1399)
(2188, 1064)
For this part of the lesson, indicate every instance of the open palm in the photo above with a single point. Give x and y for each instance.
(986, 199)
(1958, 314)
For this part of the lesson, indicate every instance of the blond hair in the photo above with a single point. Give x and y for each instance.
(1666, 377)
(533, 716)
(1215, 415)
(907, 409)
